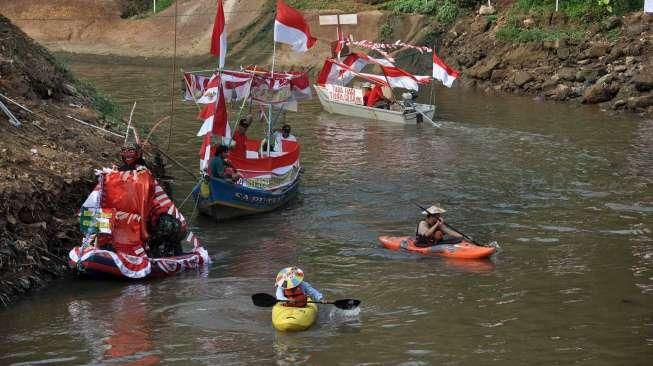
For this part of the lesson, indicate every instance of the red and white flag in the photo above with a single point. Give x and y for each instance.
(215, 118)
(219, 36)
(205, 151)
(290, 28)
(443, 72)
(333, 73)
(235, 86)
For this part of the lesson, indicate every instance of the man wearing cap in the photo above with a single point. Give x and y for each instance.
(240, 138)
(432, 230)
(292, 287)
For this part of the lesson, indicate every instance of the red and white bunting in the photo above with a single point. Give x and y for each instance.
(333, 73)
(219, 36)
(443, 72)
(195, 86)
(235, 86)
(290, 28)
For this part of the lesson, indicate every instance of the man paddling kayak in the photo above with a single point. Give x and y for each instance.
(432, 230)
(292, 287)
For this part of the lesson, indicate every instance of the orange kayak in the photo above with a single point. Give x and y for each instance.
(462, 250)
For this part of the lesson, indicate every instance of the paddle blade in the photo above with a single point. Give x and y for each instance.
(346, 304)
(264, 300)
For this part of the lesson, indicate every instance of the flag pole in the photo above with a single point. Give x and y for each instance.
(274, 52)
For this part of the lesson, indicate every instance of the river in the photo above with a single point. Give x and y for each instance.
(565, 190)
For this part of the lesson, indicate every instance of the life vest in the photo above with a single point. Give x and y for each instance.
(296, 295)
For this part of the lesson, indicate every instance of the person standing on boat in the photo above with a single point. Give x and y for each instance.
(281, 136)
(240, 138)
(432, 230)
(220, 167)
(290, 286)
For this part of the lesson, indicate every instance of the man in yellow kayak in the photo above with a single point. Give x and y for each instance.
(432, 230)
(291, 287)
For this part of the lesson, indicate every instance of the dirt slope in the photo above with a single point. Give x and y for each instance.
(95, 27)
(46, 164)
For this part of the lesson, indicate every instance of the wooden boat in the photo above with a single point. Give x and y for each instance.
(267, 184)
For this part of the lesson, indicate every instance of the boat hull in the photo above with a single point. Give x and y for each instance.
(293, 319)
(379, 114)
(101, 264)
(462, 250)
(226, 200)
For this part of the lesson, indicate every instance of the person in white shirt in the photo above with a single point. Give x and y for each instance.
(283, 135)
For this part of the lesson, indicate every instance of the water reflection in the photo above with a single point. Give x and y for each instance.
(119, 331)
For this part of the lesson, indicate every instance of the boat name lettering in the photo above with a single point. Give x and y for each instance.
(256, 199)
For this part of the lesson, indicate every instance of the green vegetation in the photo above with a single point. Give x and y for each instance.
(140, 8)
(108, 109)
(445, 11)
(579, 15)
(344, 5)
(586, 10)
(385, 33)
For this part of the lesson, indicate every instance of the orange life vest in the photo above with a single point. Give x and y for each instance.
(296, 295)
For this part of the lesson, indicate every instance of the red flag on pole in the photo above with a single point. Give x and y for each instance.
(219, 36)
(291, 28)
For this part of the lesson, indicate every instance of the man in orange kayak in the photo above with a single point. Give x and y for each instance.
(292, 287)
(432, 230)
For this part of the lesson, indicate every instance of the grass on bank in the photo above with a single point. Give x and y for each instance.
(143, 8)
(109, 110)
(580, 15)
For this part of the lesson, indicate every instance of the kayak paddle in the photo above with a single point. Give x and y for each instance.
(266, 300)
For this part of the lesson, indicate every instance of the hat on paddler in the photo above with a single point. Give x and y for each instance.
(433, 210)
(289, 277)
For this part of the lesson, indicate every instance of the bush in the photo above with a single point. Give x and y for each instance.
(447, 12)
(581, 9)
(135, 8)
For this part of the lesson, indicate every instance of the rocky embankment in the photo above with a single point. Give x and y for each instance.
(610, 65)
(46, 163)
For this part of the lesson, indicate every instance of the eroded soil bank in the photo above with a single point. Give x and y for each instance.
(46, 163)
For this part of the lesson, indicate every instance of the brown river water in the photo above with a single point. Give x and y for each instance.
(565, 190)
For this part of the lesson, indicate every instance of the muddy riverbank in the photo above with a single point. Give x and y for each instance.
(46, 163)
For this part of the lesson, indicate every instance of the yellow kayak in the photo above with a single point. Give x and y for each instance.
(291, 319)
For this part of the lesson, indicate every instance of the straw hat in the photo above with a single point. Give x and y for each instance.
(289, 277)
(433, 210)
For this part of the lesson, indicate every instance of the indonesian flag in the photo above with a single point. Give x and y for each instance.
(215, 118)
(219, 36)
(206, 152)
(333, 73)
(290, 28)
(443, 72)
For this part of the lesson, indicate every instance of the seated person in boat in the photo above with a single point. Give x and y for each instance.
(432, 230)
(220, 167)
(373, 96)
(240, 138)
(292, 287)
(281, 136)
